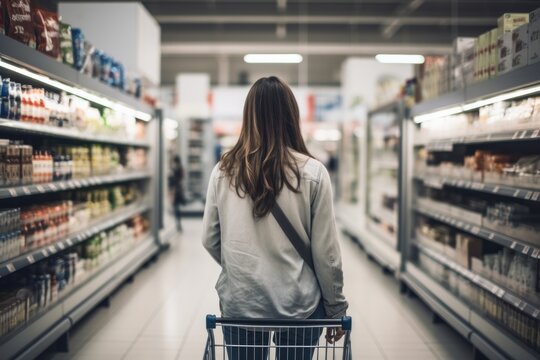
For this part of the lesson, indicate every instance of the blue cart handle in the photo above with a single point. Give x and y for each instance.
(345, 322)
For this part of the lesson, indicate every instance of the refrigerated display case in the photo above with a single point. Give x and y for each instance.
(375, 222)
(472, 185)
(77, 193)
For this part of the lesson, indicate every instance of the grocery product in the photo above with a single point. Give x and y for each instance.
(509, 21)
(66, 44)
(78, 48)
(520, 46)
(47, 32)
(20, 25)
(534, 38)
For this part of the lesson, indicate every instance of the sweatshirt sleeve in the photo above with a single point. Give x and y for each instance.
(325, 248)
(211, 238)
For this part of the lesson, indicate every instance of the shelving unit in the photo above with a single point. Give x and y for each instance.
(51, 322)
(455, 204)
(380, 193)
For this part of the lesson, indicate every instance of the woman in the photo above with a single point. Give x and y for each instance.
(263, 275)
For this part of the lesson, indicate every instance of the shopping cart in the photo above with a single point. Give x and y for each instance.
(261, 339)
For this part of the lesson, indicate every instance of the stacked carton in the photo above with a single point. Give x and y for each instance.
(534, 36)
(462, 62)
(507, 23)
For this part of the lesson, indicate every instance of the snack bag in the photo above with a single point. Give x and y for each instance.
(47, 32)
(78, 48)
(66, 43)
(19, 20)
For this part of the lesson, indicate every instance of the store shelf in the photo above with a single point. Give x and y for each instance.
(27, 57)
(43, 331)
(450, 99)
(56, 186)
(506, 241)
(502, 190)
(59, 132)
(487, 337)
(29, 258)
(471, 138)
(518, 78)
(509, 297)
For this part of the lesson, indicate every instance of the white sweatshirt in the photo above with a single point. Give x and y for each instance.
(263, 276)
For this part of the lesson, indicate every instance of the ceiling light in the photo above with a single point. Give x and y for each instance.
(273, 58)
(76, 91)
(399, 59)
(477, 104)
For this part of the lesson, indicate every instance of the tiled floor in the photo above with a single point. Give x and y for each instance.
(161, 314)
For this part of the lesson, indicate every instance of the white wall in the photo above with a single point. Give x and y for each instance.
(125, 31)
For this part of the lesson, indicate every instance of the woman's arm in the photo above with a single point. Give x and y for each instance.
(325, 248)
(211, 229)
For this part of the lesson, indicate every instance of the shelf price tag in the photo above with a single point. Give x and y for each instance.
(45, 253)
(535, 196)
(513, 245)
(12, 192)
(62, 185)
(30, 259)
(10, 267)
(535, 133)
(52, 187)
(61, 246)
(535, 253)
(69, 242)
(525, 250)
(26, 190)
(535, 313)
(40, 188)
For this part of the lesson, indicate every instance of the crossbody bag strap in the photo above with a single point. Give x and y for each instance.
(294, 237)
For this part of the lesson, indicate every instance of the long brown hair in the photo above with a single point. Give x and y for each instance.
(258, 164)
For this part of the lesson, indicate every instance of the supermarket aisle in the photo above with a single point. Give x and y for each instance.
(161, 315)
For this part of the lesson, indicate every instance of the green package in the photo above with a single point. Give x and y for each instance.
(66, 43)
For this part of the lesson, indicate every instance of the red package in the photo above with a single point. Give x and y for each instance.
(47, 29)
(19, 22)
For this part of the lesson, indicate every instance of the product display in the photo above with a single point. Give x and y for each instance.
(32, 227)
(36, 105)
(20, 25)
(47, 32)
(513, 44)
(28, 293)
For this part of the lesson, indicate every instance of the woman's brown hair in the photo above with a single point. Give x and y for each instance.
(262, 158)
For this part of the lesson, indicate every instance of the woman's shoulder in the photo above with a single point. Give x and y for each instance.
(311, 168)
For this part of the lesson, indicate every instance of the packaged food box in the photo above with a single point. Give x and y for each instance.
(504, 49)
(534, 38)
(520, 46)
(467, 249)
(66, 43)
(493, 53)
(484, 55)
(47, 32)
(509, 21)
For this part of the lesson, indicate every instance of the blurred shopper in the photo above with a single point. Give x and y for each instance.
(177, 187)
(263, 275)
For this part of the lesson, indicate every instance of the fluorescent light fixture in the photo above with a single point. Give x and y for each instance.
(399, 59)
(438, 114)
(273, 58)
(76, 91)
(477, 104)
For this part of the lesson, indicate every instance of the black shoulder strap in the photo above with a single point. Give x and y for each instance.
(294, 237)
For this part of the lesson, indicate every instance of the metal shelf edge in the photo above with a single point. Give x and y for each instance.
(57, 186)
(502, 190)
(67, 133)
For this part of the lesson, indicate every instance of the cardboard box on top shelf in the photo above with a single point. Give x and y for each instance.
(461, 49)
(493, 53)
(505, 25)
(484, 68)
(504, 50)
(476, 72)
(468, 64)
(520, 46)
(534, 36)
(509, 21)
